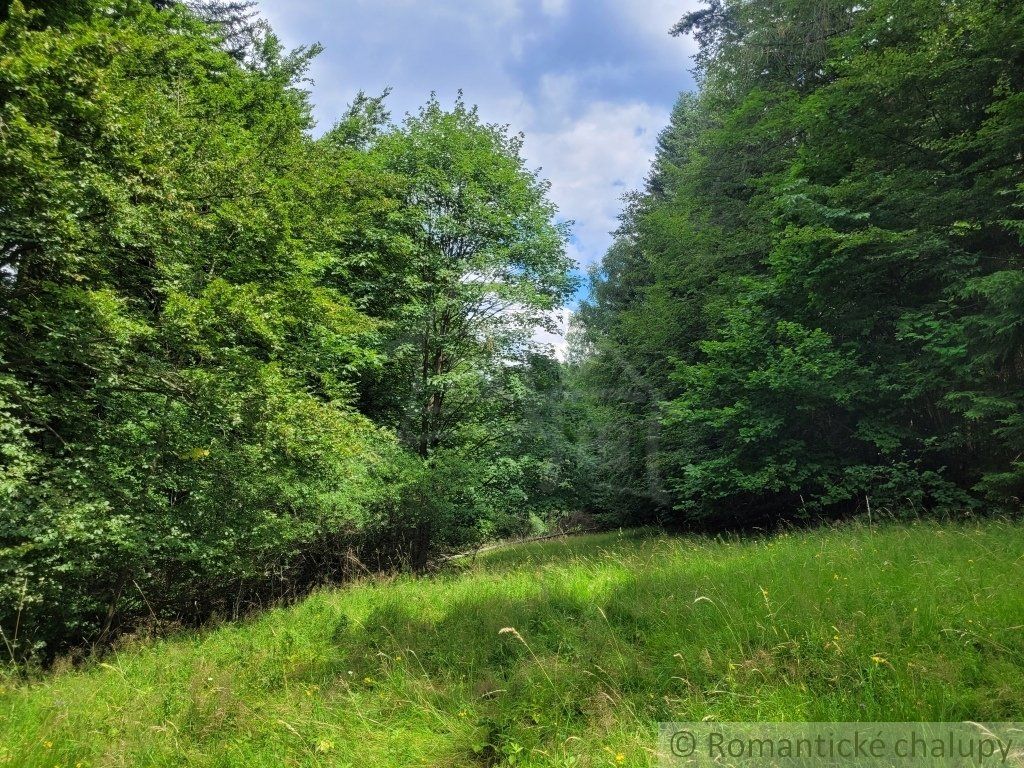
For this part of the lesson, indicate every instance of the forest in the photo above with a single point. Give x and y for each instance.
(820, 290)
(238, 360)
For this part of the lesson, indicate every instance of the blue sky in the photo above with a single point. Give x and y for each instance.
(590, 82)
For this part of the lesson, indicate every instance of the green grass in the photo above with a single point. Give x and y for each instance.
(612, 634)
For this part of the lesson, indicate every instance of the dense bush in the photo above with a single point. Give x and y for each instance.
(206, 318)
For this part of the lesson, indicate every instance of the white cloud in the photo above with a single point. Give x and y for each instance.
(654, 18)
(554, 7)
(555, 342)
(592, 161)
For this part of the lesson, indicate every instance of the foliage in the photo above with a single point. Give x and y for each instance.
(202, 309)
(820, 287)
(485, 266)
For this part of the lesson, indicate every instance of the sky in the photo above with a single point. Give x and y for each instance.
(589, 82)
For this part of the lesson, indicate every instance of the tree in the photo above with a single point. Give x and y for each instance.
(487, 266)
(231, 354)
(821, 280)
(236, 21)
(178, 432)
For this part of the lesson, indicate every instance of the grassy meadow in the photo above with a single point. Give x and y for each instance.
(560, 653)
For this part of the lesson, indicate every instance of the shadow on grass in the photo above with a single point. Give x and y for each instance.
(537, 668)
(743, 639)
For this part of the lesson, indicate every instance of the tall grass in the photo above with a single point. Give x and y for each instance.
(562, 653)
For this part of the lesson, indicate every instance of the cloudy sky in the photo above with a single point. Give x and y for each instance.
(590, 82)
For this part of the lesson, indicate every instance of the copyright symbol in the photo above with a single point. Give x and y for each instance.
(684, 744)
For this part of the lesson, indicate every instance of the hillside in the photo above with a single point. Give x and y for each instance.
(561, 653)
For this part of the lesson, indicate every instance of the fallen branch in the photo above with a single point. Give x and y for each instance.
(514, 542)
